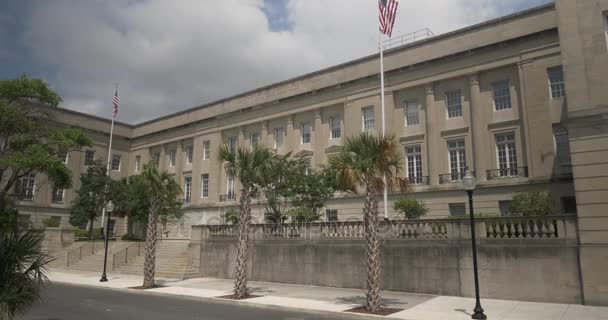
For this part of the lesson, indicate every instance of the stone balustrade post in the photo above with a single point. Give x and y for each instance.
(314, 231)
(256, 232)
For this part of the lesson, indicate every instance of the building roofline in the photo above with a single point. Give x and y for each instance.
(91, 116)
(519, 14)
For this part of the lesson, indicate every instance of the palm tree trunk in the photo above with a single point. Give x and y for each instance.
(240, 282)
(370, 217)
(150, 248)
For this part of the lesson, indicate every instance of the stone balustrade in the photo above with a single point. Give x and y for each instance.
(505, 228)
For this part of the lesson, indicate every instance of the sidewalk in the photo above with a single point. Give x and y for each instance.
(323, 299)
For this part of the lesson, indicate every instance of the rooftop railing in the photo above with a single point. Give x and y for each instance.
(400, 40)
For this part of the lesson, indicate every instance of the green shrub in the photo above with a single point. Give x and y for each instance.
(532, 203)
(303, 215)
(130, 237)
(411, 208)
(52, 222)
(232, 216)
(84, 233)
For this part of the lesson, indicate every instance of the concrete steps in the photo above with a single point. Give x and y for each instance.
(172, 258)
(61, 257)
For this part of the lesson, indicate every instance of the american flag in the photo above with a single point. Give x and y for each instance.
(388, 12)
(115, 102)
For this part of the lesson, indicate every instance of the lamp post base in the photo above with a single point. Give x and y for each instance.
(478, 313)
(104, 278)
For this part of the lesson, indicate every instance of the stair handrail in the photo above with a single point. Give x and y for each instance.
(88, 249)
(118, 259)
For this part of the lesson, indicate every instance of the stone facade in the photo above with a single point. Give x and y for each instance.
(491, 97)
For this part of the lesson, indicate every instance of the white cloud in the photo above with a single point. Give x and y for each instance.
(172, 55)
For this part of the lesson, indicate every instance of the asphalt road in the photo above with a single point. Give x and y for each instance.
(63, 302)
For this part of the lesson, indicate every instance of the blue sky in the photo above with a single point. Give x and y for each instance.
(172, 55)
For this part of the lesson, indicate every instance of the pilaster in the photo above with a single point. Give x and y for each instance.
(432, 135)
(477, 130)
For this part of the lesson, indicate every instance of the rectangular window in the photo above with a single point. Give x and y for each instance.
(156, 158)
(501, 91)
(57, 196)
(115, 162)
(188, 189)
(411, 114)
(63, 157)
(137, 163)
(278, 137)
(189, 154)
(205, 185)
(305, 133)
(368, 118)
(254, 139)
(414, 164)
(454, 103)
(232, 144)
(557, 85)
(89, 157)
(562, 145)
(26, 187)
(507, 154)
(505, 207)
(457, 209)
(335, 131)
(172, 155)
(231, 195)
(206, 150)
(569, 204)
(458, 163)
(331, 215)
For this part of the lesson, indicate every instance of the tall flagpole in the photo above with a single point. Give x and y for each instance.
(103, 212)
(383, 117)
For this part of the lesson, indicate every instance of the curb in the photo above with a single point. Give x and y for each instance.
(244, 303)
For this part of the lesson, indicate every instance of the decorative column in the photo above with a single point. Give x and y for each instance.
(432, 136)
(476, 130)
(290, 134)
(241, 138)
(523, 114)
(319, 139)
(264, 137)
(162, 162)
(179, 163)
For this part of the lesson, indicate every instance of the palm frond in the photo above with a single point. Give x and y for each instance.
(365, 160)
(22, 270)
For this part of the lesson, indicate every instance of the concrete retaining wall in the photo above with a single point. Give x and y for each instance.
(534, 270)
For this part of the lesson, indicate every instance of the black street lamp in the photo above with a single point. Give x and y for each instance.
(109, 209)
(468, 181)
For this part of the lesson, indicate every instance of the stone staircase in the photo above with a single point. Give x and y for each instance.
(172, 258)
(172, 261)
(78, 250)
(94, 262)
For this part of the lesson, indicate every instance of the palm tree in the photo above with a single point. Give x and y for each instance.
(22, 266)
(366, 161)
(249, 166)
(163, 192)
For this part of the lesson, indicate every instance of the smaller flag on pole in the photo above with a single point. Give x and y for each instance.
(115, 102)
(387, 14)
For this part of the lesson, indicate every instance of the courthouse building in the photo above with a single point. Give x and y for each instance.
(521, 100)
